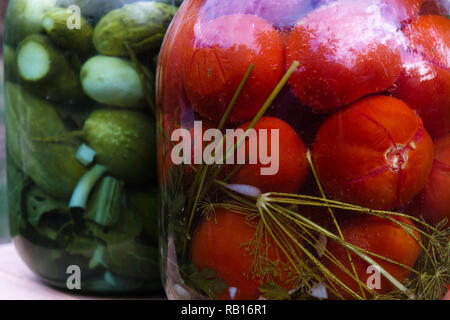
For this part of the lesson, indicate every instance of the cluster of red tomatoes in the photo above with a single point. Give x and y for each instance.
(371, 98)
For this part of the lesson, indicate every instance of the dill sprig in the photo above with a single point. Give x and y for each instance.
(292, 233)
(279, 221)
(200, 186)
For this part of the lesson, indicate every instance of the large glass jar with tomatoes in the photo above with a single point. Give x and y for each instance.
(304, 149)
(81, 140)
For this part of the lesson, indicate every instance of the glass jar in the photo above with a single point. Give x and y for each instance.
(304, 149)
(81, 140)
(3, 191)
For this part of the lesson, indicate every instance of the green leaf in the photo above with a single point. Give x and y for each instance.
(47, 215)
(98, 257)
(134, 260)
(205, 280)
(52, 166)
(89, 248)
(273, 291)
(144, 202)
(127, 228)
(17, 183)
(37, 204)
(123, 254)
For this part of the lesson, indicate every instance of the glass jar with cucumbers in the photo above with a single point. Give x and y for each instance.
(81, 140)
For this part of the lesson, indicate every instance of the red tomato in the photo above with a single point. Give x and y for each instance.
(346, 51)
(378, 236)
(375, 153)
(292, 164)
(424, 83)
(434, 201)
(170, 94)
(218, 59)
(447, 296)
(220, 244)
(278, 12)
(170, 125)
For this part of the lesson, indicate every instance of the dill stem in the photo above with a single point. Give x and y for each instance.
(204, 168)
(304, 226)
(227, 112)
(235, 196)
(199, 180)
(198, 193)
(361, 253)
(255, 120)
(59, 139)
(336, 224)
(235, 97)
(327, 233)
(265, 106)
(144, 77)
(315, 260)
(275, 238)
(320, 202)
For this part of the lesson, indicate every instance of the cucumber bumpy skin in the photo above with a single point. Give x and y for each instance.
(77, 41)
(125, 142)
(142, 25)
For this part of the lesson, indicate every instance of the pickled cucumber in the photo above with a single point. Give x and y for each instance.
(142, 25)
(112, 81)
(125, 142)
(24, 18)
(78, 41)
(44, 69)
